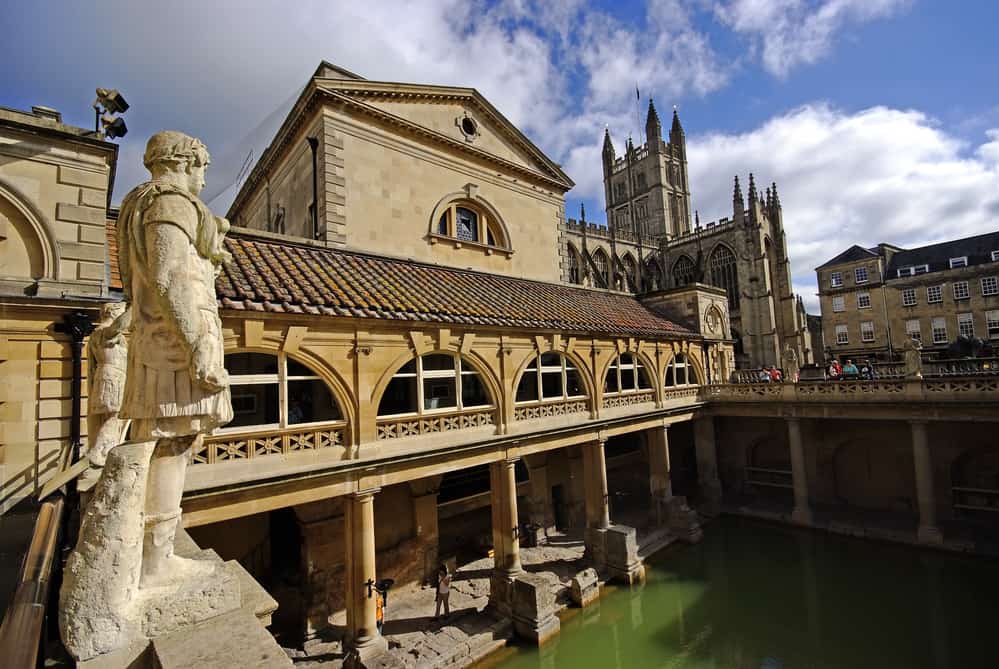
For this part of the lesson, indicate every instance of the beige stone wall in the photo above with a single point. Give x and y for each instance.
(35, 400)
(852, 315)
(53, 199)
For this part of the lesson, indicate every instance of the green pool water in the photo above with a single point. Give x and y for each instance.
(756, 596)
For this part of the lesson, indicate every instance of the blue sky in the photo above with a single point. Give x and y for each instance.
(879, 119)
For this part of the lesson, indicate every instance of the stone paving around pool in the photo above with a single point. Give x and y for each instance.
(471, 632)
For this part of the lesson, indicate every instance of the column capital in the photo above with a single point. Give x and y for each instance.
(364, 494)
(918, 421)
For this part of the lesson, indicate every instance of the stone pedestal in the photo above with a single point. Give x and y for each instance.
(534, 608)
(684, 522)
(623, 564)
(585, 588)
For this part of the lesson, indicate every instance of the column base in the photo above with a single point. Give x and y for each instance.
(501, 593)
(534, 609)
(595, 543)
(929, 534)
(621, 550)
(360, 654)
(802, 515)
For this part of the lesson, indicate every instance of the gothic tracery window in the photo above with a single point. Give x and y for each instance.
(724, 274)
(603, 267)
(684, 271)
(631, 273)
(575, 271)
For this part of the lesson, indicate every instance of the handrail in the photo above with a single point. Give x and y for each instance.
(22, 628)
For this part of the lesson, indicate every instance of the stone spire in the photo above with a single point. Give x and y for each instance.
(776, 200)
(676, 128)
(653, 126)
(752, 189)
(609, 154)
(738, 204)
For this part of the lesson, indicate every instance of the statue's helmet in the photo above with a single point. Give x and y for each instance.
(171, 146)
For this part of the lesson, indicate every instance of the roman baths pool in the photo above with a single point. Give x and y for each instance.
(757, 596)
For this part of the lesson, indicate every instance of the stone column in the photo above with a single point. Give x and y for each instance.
(659, 477)
(363, 637)
(925, 492)
(597, 506)
(506, 542)
(707, 463)
(802, 513)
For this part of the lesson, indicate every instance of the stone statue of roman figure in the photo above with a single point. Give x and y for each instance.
(790, 362)
(107, 354)
(123, 580)
(913, 352)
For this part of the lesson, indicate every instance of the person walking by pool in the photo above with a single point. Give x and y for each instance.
(443, 591)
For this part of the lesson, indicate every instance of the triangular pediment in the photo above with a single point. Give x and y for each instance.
(459, 116)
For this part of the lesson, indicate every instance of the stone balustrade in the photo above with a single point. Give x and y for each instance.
(409, 426)
(250, 445)
(957, 388)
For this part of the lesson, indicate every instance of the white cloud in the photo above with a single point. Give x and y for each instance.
(788, 33)
(878, 175)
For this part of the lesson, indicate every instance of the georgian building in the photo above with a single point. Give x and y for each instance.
(648, 244)
(874, 300)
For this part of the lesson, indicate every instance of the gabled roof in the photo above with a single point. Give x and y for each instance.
(335, 84)
(852, 254)
(270, 275)
(978, 250)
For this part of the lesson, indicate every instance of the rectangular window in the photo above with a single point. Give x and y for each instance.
(860, 275)
(939, 326)
(992, 324)
(934, 294)
(863, 300)
(842, 336)
(838, 303)
(966, 325)
(995, 256)
(912, 270)
(835, 279)
(912, 330)
(908, 297)
(990, 286)
(961, 290)
(867, 331)
(959, 262)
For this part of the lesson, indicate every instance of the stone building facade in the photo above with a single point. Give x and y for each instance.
(874, 300)
(55, 187)
(648, 244)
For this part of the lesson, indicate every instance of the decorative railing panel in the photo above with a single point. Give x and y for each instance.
(629, 399)
(251, 445)
(681, 393)
(976, 499)
(397, 428)
(550, 409)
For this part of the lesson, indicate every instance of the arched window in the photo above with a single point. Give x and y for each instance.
(653, 277)
(603, 267)
(626, 375)
(575, 269)
(723, 274)
(550, 376)
(467, 222)
(684, 271)
(275, 391)
(436, 382)
(680, 372)
(631, 273)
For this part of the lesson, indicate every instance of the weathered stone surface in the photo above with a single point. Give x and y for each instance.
(171, 608)
(585, 587)
(623, 563)
(684, 521)
(101, 579)
(235, 639)
(534, 608)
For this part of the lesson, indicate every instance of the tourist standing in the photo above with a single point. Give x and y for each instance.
(443, 591)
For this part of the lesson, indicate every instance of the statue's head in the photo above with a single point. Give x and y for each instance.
(112, 310)
(173, 153)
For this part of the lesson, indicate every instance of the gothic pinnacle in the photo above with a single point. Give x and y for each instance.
(752, 188)
(776, 199)
(676, 127)
(737, 191)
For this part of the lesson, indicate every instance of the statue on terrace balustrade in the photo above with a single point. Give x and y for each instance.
(123, 581)
(913, 352)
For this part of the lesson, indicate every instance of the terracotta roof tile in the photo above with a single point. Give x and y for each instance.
(274, 276)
